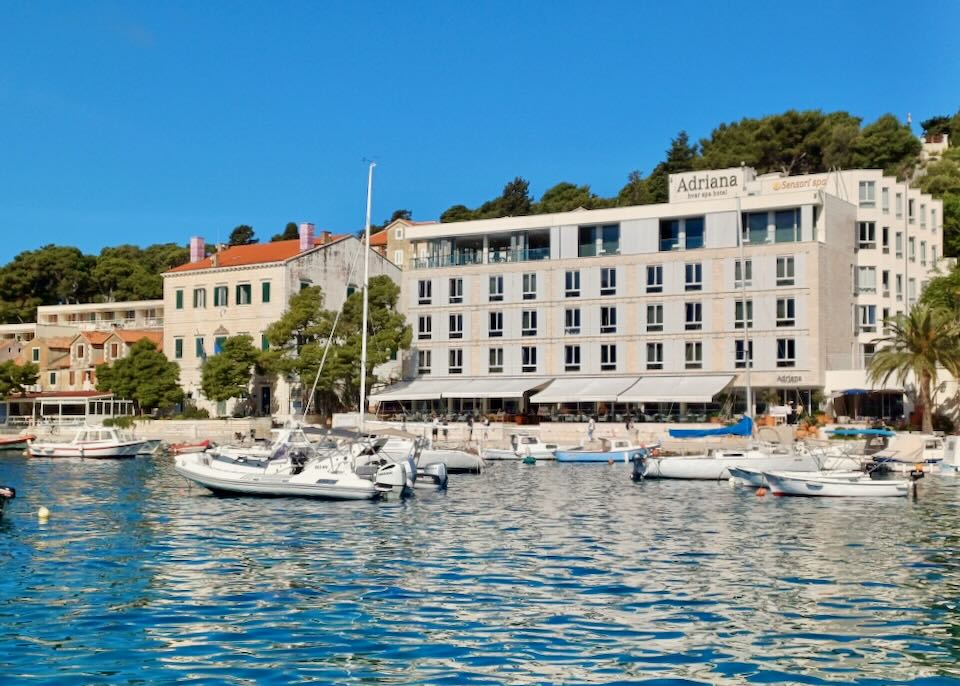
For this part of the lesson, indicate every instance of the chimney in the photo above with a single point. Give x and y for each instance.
(197, 249)
(306, 236)
(325, 236)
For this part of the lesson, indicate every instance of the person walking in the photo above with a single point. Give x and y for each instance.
(591, 427)
(445, 430)
(436, 428)
(469, 428)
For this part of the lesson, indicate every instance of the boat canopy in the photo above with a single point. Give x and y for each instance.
(585, 390)
(679, 389)
(495, 388)
(742, 428)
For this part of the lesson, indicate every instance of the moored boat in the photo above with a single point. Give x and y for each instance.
(523, 445)
(16, 442)
(751, 476)
(190, 447)
(609, 449)
(823, 484)
(90, 442)
(716, 464)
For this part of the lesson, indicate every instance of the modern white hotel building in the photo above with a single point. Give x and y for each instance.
(655, 304)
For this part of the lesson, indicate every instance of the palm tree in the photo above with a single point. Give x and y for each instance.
(919, 342)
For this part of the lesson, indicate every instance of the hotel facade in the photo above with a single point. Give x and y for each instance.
(785, 279)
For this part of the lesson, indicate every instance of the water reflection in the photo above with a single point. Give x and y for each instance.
(522, 575)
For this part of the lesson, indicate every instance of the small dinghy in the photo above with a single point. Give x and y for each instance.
(7, 493)
(15, 442)
(190, 447)
(523, 445)
(824, 484)
(608, 450)
(756, 478)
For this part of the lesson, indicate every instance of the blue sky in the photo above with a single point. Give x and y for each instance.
(152, 122)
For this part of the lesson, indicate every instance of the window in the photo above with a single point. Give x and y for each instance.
(693, 280)
(885, 282)
(866, 279)
(496, 361)
(304, 284)
(529, 286)
(528, 358)
(572, 284)
(923, 216)
(425, 327)
(886, 321)
(912, 249)
(693, 233)
(608, 281)
(866, 235)
(198, 347)
(868, 351)
(868, 194)
(608, 357)
(608, 320)
(911, 214)
(655, 317)
(424, 292)
(899, 286)
(669, 234)
(35, 354)
(218, 344)
(867, 318)
(424, 358)
(885, 200)
(265, 342)
(179, 298)
(456, 291)
(199, 298)
(456, 325)
(244, 294)
(923, 253)
(528, 323)
(785, 271)
(694, 316)
(455, 357)
(599, 240)
(114, 350)
(738, 273)
(899, 244)
(933, 219)
(571, 321)
(786, 352)
(743, 354)
(885, 239)
(743, 314)
(786, 312)
(53, 378)
(654, 355)
(571, 358)
(220, 296)
(398, 257)
(495, 326)
(755, 227)
(786, 226)
(80, 352)
(496, 288)
(655, 278)
(178, 348)
(899, 204)
(933, 255)
(911, 290)
(398, 233)
(693, 355)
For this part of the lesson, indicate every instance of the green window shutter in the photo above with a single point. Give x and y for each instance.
(265, 291)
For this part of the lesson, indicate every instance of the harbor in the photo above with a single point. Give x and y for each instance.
(523, 574)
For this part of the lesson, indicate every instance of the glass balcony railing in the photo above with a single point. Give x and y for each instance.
(494, 256)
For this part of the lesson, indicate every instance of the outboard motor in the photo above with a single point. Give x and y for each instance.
(434, 475)
(298, 458)
(392, 476)
(639, 465)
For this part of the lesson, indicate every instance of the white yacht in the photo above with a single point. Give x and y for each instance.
(90, 442)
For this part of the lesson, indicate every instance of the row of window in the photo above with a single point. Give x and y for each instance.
(786, 309)
(199, 346)
(786, 350)
(867, 240)
(865, 281)
(693, 281)
(243, 295)
(868, 198)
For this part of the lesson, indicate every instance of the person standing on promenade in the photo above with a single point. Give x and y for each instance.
(436, 428)
(469, 428)
(591, 427)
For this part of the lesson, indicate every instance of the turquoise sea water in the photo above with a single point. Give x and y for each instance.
(525, 574)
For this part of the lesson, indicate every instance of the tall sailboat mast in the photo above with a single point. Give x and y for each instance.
(366, 300)
(746, 320)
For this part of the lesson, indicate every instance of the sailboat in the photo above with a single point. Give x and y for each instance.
(353, 471)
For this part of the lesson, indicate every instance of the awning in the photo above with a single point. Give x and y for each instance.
(495, 388)
(585, 390)
(418, 389)
(676, 389)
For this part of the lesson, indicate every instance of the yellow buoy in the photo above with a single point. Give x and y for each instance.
(43, 513)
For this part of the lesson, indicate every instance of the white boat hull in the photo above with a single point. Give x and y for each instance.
(86, 450)
(454, 460)
(749, 476)
(830, 486)
(709, 467)
(501, 454)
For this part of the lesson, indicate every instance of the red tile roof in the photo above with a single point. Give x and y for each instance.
(255, 253)
(378, 239)
(131, 336)
(95, 337)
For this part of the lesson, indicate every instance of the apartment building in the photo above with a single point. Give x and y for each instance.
(666, 303)
(242, 290)
(135, 314)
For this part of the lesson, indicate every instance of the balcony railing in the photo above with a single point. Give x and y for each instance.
(458, 259)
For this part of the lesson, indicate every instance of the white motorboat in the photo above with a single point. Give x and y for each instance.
(523, 445)
(824, 484)
(756, 478)
(341, 475)
(905, 451)
(90, 442)
(716, 464)
(608, 450)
